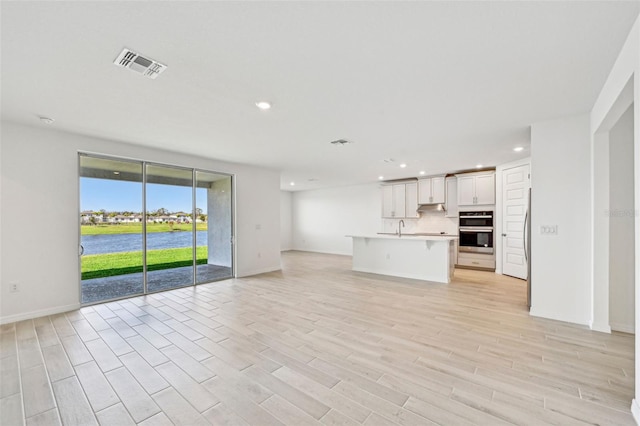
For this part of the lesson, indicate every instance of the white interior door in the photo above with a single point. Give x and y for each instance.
(515, 187)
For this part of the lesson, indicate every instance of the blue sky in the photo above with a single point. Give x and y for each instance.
(114, 195)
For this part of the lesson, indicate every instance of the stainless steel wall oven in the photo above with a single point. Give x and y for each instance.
(476, 232)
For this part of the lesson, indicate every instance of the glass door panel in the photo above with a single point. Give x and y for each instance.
(214, 227)
(169, 238)
(111, 242)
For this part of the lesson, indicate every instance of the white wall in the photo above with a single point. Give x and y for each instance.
(621, 226)
(39, 170)
(621, 89)
(286, 225)
(560, 276)
(322, 218)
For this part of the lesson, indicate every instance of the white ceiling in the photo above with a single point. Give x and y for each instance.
(441, 86)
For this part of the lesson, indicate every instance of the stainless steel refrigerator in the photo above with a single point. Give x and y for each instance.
(527, 246)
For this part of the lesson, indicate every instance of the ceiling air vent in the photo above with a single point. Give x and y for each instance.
(145, 66)
(340, 142)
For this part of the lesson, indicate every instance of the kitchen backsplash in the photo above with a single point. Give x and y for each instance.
(429, 222)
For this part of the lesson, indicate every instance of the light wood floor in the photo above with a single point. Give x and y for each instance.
(316, 343)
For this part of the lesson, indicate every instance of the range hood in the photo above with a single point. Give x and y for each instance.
(431, 207)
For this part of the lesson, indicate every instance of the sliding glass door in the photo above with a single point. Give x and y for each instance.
(111, 242)
(170, 248)
(147, 227)
(214, 220)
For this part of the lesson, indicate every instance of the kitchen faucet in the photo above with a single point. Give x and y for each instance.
(400, 229)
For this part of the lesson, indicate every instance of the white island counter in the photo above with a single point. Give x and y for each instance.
(429, 258)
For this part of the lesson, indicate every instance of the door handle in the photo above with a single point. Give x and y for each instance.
(504, 235)
(524, 235)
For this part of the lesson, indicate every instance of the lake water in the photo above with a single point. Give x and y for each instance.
(99, 244)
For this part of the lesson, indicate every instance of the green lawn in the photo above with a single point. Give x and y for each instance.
(136, 228)
(110, 264)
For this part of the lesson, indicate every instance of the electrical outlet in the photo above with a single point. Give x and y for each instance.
(258, 227)
(14, 287)
(549, 230)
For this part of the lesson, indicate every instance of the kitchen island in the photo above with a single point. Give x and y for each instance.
(429, 258)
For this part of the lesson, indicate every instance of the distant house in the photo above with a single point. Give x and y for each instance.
(163, 219)
(182, 217)
(86, 215)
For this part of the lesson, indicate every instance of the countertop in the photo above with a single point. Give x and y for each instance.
(409, 237)
(423, 234)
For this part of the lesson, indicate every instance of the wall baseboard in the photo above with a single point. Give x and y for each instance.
(601, 327)
(258, 271)
(554, 316)
(39, 313)
(625, 328)
(635, 410)
(323, 252)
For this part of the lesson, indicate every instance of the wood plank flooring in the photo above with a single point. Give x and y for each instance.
(315, 344)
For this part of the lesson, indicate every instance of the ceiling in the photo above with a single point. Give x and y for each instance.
(440, 86)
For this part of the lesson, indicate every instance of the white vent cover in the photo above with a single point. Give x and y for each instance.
(341, 142)
(145, 66)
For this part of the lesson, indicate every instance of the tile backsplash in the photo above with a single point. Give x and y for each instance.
(429, 222)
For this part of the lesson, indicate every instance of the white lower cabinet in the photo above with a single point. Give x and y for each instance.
(476, 260)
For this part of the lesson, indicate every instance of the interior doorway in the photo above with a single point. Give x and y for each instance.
(615, 216)
(622, 215)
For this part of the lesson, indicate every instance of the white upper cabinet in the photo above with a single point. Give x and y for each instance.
(400, 200)
(486, 189)
(452, 198)
(387, 201)
(411, 200)
(466, 190)
(476, 188)
(431, 190)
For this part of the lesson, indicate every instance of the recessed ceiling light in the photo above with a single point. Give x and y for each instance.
(47, 120)
(292, 183)
(263, 105)
(422, 172)
(518, 148)
(380, 177)
(402, 166)
(116, 173)
(478, 166)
